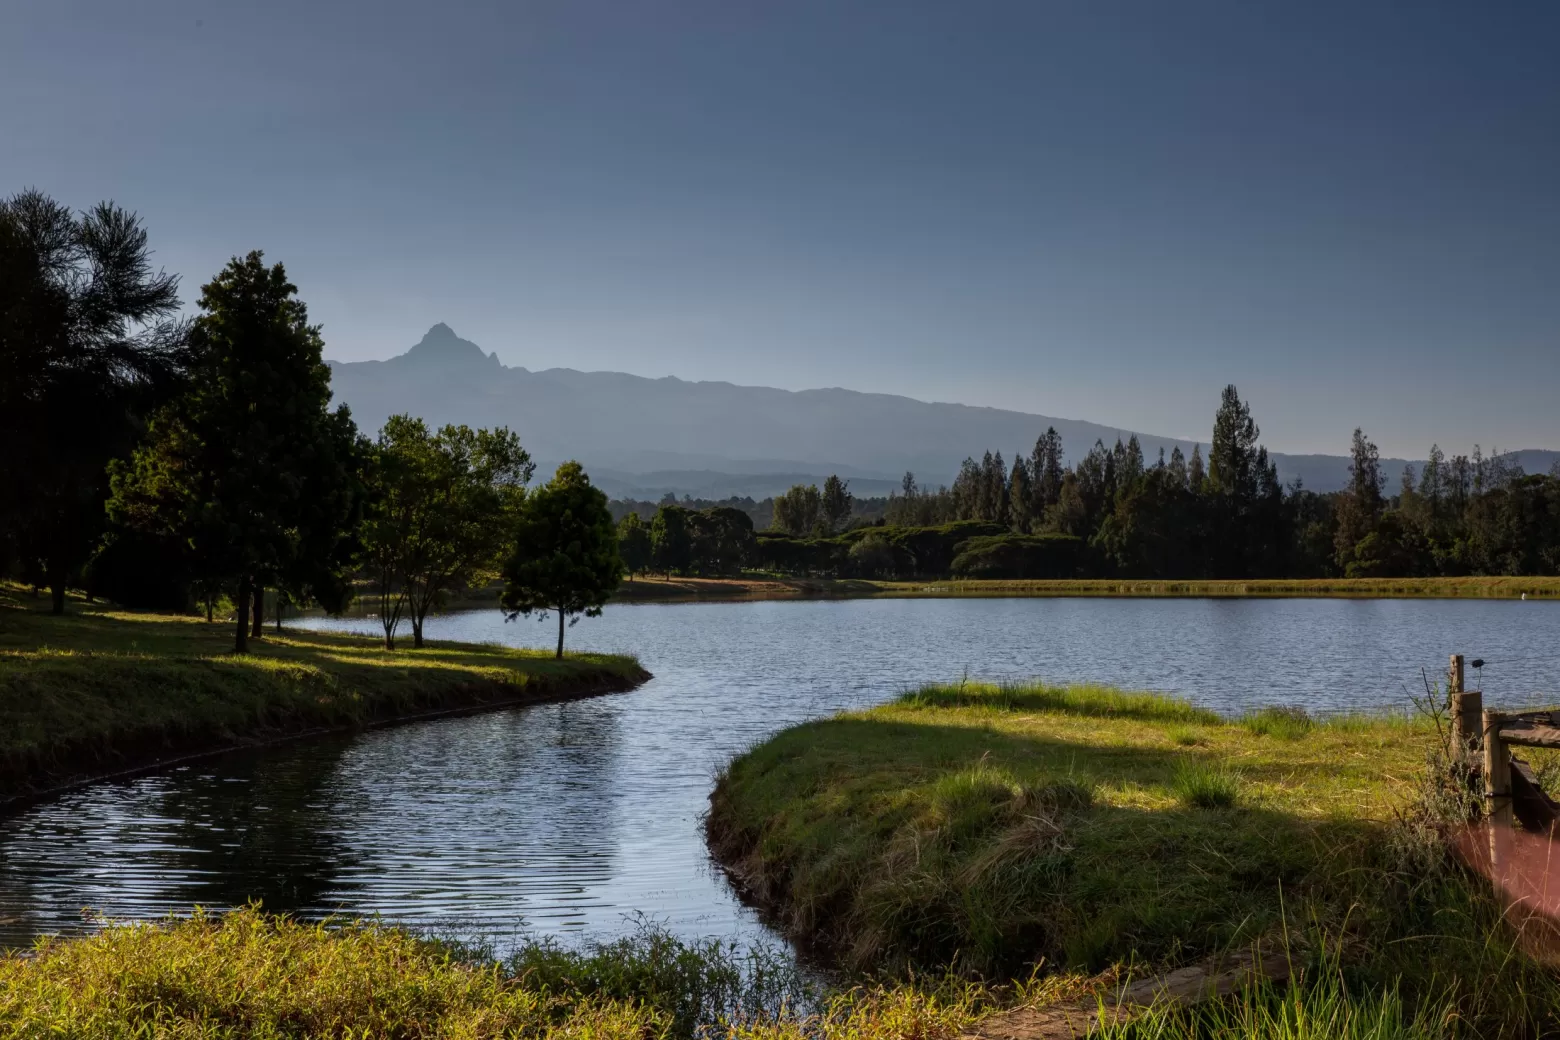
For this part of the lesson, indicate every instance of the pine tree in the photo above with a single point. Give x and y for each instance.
(835, 504)
(1045, 469)
(1196, 477)
(1021, 498)
(233, 465)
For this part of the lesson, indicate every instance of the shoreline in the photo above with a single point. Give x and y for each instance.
(646, 590)
(101, 694)
(18, 800)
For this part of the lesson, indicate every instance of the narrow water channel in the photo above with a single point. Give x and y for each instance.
(571, 819)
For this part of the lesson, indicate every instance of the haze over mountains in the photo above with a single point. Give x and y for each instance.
(642, 437)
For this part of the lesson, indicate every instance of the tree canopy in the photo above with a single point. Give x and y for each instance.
(565, 552)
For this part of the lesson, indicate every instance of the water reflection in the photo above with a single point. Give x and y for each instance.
(568, 818)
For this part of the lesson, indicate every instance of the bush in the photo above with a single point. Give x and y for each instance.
(1033, 556)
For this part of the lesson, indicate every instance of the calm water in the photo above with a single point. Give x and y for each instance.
(569, 818)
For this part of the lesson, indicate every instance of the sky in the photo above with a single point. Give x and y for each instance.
(1096, 210)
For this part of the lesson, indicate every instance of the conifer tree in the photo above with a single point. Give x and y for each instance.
(633, 544)
(237, 464)
(1020, 498)
(835, 504)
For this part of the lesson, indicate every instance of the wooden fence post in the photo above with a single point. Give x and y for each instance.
(1467, 712)
(1497, 772)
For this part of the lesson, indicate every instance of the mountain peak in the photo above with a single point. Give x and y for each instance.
(440, 345)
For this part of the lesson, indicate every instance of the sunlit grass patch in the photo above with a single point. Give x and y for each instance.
(1279, 722)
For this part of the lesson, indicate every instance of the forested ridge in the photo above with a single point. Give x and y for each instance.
(1116, 514)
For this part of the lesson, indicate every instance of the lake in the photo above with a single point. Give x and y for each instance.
(571, 819)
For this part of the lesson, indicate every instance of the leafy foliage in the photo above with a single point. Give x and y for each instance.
(565, 556)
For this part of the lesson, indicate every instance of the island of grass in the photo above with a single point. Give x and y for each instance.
(1009, 829)
(101, 690)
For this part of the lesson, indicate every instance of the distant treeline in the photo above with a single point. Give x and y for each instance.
(1114, 514)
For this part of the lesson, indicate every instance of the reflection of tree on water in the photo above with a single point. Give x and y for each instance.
(258, 826)
(505, 814)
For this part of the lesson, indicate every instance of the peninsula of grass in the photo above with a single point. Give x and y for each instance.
(101, 690)
(1008, 829)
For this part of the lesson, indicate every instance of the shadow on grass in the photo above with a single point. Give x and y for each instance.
(905, 844)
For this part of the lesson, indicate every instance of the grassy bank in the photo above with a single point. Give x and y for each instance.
(1088, 829)
(248, 975)
(101, 690)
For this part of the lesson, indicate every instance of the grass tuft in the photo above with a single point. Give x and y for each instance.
(1205, 785)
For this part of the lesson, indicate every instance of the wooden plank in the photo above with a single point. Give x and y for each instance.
(1537, 811)
(1530, 733)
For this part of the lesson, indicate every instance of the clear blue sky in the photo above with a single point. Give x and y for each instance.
(1101, 210)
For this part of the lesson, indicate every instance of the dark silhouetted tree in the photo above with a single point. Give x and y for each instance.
(88, 349)
(633, 544)
(237, 464)
(565, 556)
(836, 504)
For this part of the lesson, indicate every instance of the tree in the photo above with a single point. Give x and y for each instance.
(671, 542)
(1232, 456)
(799, 511)
(1020, 497)
(240, 466)
(1361, 506)
(565, 556)
(1045, 467)
(633, 544)
(88, 348)
(440, 504)
(835, 504)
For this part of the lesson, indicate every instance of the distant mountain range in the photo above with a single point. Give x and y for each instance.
(641, 437)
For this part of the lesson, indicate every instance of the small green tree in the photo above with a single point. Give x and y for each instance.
(633, 544)
(836, 503)
(799, 511)
(671, 541)
(565, 557)
(438, 515)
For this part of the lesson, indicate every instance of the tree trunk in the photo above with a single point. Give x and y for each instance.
(258, 619)
(241, 643)
(560, 634)
(57, 594)
(208, 610)
(416, 632)
(278, 611)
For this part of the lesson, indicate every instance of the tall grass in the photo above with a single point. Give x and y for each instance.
(1322, 1010)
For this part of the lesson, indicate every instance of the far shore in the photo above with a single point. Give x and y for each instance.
(658, 589)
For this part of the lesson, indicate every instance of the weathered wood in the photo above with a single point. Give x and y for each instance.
(1454, 675)
(1497, 771)
(1467, 720)
(1537, 811)
(1541, 733)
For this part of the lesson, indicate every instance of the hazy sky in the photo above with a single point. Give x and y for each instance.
(1094, 209)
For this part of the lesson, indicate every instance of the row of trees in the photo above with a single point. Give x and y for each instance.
(1229, 517)
(156, 459)
(713, 542)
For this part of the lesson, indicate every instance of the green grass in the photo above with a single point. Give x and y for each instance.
(922, 833)
(1200, 784)
(1279, 722)
(248, 975)
(102, 689)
